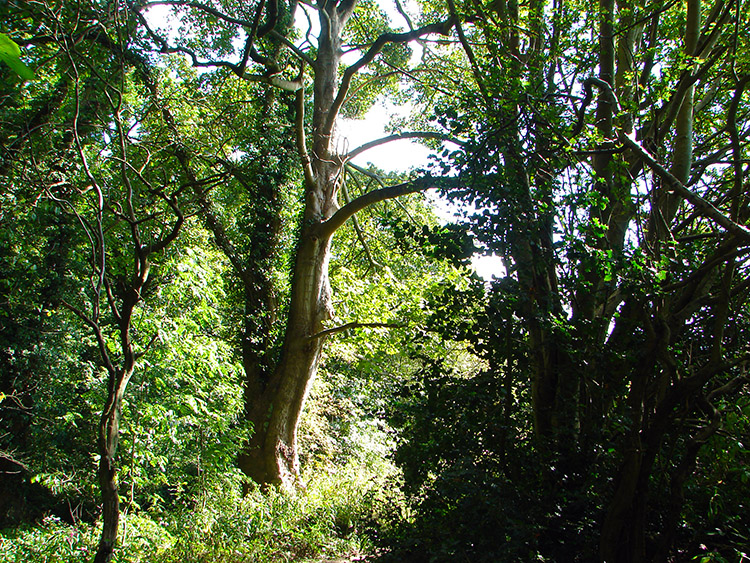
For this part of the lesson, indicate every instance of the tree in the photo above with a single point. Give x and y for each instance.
(624, 233)
(279, 370)
(125, 189)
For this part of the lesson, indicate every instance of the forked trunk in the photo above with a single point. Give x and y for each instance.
(273, 403)
(275, 396)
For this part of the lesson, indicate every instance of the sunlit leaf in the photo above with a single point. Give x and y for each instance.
(10, 54)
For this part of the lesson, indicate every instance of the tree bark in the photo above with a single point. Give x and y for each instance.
(275, 397)
(108, 439)
(271, 457)
(273, 404)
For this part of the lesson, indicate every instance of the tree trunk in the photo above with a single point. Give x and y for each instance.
(108, 439)
(274, 397)
(273, 405)
(108, 424)
(271, 457)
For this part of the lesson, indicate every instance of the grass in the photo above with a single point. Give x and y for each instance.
(334, 516)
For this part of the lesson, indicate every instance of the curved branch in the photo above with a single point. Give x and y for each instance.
(400, 10)
(162, 243)
(686, 80)
(734, 135)
(273, 17)
(441, 28)
(292, 47)
(399, 136)
(249, 50)
(423, 183)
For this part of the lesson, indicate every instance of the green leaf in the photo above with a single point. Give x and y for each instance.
(10, 54)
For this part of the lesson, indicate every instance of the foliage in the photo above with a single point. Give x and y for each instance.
(10, 54)
(595, 335)
(591, 403)
(332, 517)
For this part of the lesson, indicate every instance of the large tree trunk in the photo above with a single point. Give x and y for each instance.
(273, 404)
(271, 456)
(274, 396)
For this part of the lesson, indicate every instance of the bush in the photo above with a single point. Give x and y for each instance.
(337, 514)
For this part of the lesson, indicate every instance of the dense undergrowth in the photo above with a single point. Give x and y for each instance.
(339, 513)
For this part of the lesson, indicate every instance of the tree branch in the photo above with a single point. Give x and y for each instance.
(442, 28)
(353, 325)
(275, 80)
(469, 52)
(292, 47)
(327, 228)
(238, 69)
(731, 386)
(199, 6)
(398, 136)
(97, 330)
(143, 352)
(704, 206)
(360, 233)
(299, 122)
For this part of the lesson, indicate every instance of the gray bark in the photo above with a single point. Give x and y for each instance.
(274, 402)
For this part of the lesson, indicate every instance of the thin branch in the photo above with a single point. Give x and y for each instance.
(734, 135)
(143, 352)
(97, 330)
(353, 325)
(292, 47)
(360, 233)
(98, 251)
(731, 386)
(411, 74)
(366, 172)
(112, 301)
(161, 244)
(198, 6)
(399, 136)
(236, 68)
(400, 10)
(686, 80)
(381, 183)
(442, 28)
(469, 52)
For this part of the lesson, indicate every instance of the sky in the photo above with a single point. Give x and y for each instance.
(400, 156)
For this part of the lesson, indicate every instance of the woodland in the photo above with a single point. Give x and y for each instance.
(221, 340)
